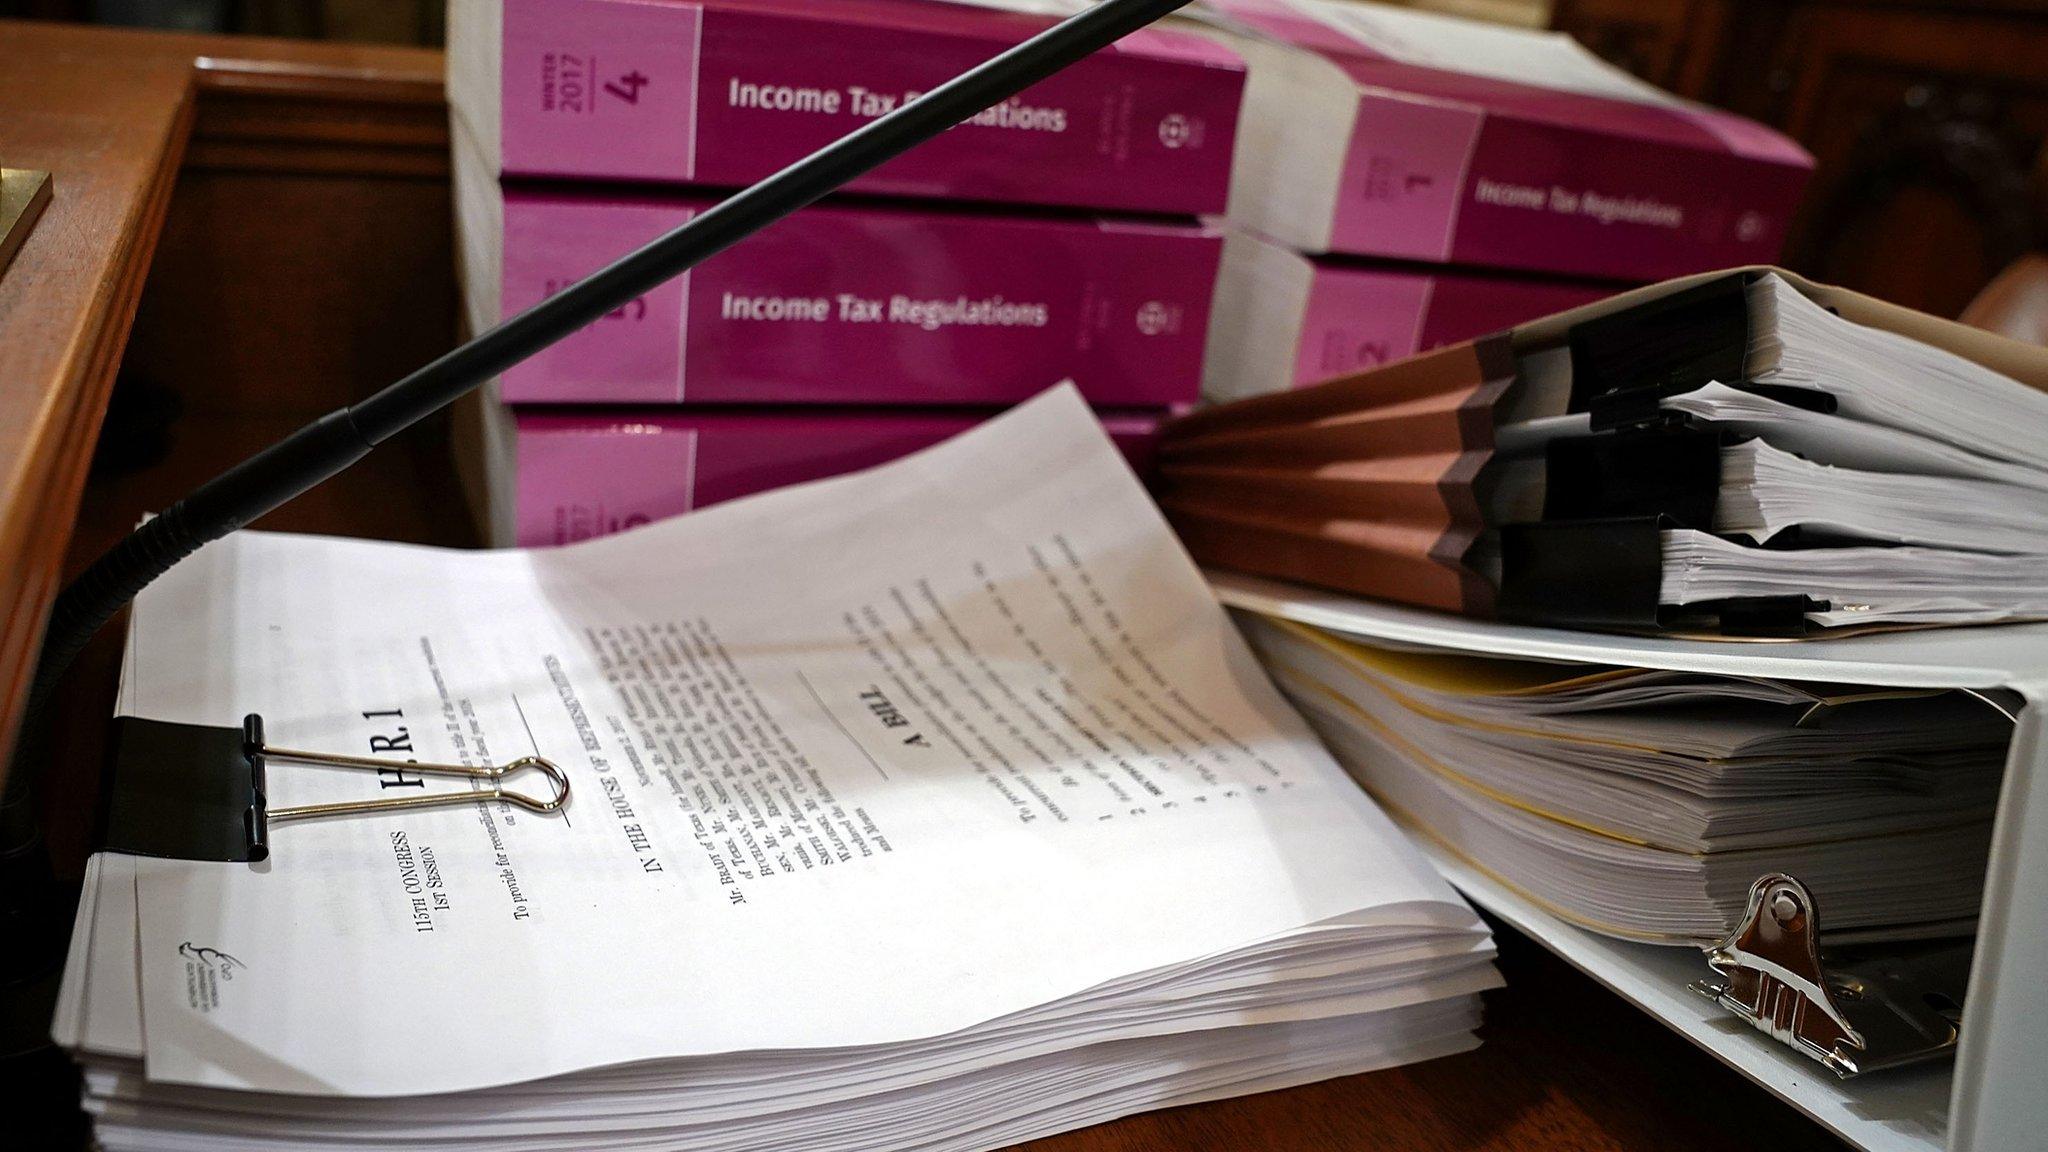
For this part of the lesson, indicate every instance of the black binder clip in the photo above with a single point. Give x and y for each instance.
(1625, 364)
(190, 792)
(1852, 1013)
(1674, 473)
(1608, 575)
(1599, 574)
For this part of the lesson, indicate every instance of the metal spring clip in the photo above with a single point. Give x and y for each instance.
(1862, 1010)
(495, 775)
(195, 792)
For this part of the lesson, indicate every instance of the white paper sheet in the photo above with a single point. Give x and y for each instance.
(871, 759)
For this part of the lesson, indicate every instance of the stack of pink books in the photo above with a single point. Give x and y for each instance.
(1265, 194)
(1053, 237)
(1406, 180)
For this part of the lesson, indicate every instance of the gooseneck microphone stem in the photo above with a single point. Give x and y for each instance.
(322, 449)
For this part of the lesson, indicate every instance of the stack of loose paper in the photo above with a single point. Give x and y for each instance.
(1644, 803)
(937, 806)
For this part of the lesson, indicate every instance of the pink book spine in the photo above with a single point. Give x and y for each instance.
(724, 93)
(581, 476)
(1458, 185)
(869, 305)
(1359, 318)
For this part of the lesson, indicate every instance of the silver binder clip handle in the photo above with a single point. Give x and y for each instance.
(489, 784)
(1893, 1008)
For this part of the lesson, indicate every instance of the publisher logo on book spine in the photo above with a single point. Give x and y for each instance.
(1177, 131)
(1156, 318)
(206, 969)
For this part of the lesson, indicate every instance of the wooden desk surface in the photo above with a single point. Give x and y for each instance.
(277, 294)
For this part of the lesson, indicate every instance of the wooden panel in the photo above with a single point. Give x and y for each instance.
(312, 222)
(1924, 125)
(1922, 118)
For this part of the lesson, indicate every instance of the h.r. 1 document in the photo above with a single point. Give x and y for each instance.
(868, 760)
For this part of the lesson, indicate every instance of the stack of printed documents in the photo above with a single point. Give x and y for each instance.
(937, 806)
(1644, 803)
(1742, 454)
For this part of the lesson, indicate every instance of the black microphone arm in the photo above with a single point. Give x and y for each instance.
(339, 439)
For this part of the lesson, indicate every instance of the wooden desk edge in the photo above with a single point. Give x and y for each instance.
(54, 452)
